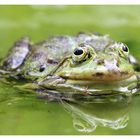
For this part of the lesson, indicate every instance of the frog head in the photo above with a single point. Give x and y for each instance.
(88, 63)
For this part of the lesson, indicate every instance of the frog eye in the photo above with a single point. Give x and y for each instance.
(42, 68)
(79, 54)
(123, 50)
(78, 51)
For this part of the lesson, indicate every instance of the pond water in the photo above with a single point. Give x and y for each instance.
(25, 113)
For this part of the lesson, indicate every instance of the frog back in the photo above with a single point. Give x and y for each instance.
(59, 47)
(46, 55)
(96, 40)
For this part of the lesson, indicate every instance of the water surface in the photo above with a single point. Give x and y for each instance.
(24, 113)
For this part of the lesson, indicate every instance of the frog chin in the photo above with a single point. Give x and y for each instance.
(98, 76)
(83, 89)
(125, 87)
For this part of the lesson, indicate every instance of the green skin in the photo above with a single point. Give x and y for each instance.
(87, 64)
(102, 73)
(46, 55)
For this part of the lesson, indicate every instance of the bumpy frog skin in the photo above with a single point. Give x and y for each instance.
(100, 66)
(97, 66)
(17, 55)
(46, 55)
(87, 64)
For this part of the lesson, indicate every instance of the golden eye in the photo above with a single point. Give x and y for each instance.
(79, 54)
(82, 53)
(123, 50)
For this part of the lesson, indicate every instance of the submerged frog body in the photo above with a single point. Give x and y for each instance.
(85, 65)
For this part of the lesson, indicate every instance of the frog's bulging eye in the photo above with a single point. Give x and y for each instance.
(79, 54)
(82, 53)
(78, 51)
(42, 68)
(125, 48)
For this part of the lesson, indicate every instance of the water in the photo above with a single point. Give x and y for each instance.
(88, 116)
(25, 113)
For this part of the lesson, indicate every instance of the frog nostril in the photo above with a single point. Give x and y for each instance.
(117, 64)
(100, 62)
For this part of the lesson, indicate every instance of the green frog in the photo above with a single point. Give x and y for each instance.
(84, 66)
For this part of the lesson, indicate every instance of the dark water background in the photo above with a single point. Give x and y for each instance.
(24, 113)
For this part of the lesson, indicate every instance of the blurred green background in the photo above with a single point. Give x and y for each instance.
(25, 114)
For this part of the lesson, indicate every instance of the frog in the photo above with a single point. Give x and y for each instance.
(85, 66)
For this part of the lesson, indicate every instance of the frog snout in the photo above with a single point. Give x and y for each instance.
(111, 65)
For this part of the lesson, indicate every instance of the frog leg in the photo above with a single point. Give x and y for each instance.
(62, 85)
(38, 86)
(59, 88)
(53, 89)
(51, 81)
(42, 93)
(59, 65)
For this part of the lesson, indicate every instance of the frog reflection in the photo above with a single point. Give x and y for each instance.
(87, 116)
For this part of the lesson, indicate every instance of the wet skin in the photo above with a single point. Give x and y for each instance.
(87, 64)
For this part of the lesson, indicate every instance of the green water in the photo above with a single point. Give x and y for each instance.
(24, 113)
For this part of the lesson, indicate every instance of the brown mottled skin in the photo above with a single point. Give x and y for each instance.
(72, 64)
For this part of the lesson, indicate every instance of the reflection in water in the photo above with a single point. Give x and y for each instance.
(87, 116)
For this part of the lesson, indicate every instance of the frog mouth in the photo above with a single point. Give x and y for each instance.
(99, 77)
(86, 89)
(104, 83)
